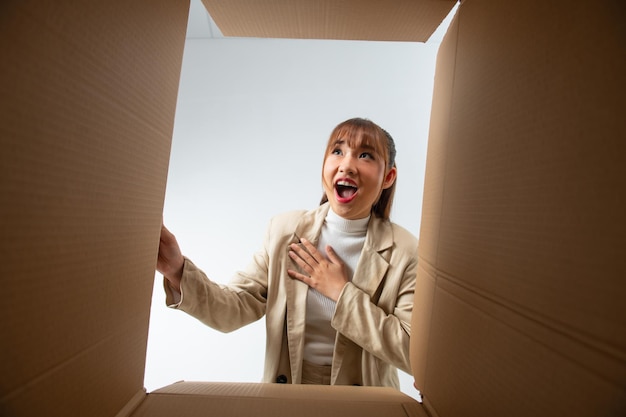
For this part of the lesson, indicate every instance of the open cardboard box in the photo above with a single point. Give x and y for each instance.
(519, 307)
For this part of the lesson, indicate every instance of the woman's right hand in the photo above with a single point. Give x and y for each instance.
(170, 261)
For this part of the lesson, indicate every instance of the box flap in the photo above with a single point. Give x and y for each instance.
(397, 20)
(191, 399)
(434, 180)
(520, 246)
(88, 101)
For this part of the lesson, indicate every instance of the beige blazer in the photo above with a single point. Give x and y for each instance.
(372, 316)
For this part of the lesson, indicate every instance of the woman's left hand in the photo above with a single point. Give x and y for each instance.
(327, 276)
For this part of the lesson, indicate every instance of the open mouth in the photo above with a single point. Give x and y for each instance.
(345, 190)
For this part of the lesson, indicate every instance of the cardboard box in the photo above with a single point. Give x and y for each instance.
(519, 303)
(88, 99)
(522, 216)
(400, 20)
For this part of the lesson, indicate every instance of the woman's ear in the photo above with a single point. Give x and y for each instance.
(390, 177)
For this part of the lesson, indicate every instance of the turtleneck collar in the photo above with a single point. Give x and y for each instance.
(358, 226)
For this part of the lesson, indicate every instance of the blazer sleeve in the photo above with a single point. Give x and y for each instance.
(224, 307)
(385, 333)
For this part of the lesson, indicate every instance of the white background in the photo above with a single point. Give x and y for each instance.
(252, 121)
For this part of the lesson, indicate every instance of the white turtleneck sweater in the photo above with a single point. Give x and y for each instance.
(346, 237)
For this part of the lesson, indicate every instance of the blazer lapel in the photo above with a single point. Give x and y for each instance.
(368, 275)
(308, 228)
(373, 263)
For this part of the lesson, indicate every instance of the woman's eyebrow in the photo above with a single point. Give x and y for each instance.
(360, 146)
(366, 147)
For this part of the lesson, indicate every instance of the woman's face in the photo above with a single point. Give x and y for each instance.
(353, 179)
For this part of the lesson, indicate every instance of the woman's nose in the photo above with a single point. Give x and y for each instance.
(347, 165)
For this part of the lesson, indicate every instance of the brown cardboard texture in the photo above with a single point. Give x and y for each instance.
(238, 399)
(399, 20)
(88, 100)
(519, 302)
(523, 231)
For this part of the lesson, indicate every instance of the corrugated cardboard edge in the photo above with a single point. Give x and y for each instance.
(428, 407)
(434, 186)
(264, 399)
(133, 404)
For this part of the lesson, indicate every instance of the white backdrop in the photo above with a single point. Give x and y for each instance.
(252, 120)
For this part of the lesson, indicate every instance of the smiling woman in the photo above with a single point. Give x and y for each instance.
(251, 122)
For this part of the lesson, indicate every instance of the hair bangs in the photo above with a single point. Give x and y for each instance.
(355, 135)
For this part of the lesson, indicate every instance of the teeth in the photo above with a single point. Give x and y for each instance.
(346, 184)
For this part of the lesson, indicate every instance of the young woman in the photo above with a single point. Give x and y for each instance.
(335, 283)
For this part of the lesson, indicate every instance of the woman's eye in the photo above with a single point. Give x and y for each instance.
(366, 155)
(336, 152)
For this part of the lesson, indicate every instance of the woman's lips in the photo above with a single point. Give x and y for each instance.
(345, 191)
